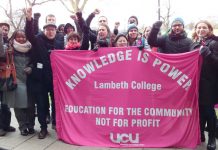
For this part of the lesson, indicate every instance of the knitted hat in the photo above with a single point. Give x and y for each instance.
(178, 20)
(131, 26)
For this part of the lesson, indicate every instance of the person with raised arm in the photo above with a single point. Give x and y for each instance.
(43, 45)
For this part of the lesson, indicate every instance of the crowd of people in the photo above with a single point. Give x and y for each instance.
(32, 47)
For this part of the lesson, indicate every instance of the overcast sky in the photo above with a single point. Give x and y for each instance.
(120, 10)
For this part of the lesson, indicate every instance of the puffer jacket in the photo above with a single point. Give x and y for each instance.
(169, 43)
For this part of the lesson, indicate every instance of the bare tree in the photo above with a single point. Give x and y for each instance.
(75, 5)
(14, 21)
(16, 17)
(36, 2)
(166, 17)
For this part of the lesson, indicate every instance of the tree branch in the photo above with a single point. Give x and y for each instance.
(46, 1)
(73, 5)
(83, 5)
(71, 11)
(5, 10)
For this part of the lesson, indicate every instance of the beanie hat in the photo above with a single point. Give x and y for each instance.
(178, 20)
(131, 26)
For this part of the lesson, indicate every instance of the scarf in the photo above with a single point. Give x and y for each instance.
(23, 48)
(71, 46)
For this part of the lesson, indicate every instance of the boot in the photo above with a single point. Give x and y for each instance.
(211, 122)
(43, 133)
(211, 143)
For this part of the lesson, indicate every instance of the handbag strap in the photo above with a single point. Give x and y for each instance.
(10, 62)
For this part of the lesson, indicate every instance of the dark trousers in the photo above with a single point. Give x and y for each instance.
(5, 116)
(25, 117)
(38, 94)
(208, 115)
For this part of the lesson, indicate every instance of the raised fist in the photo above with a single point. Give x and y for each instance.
(96, 11)
(28, 13)
(117, 24)
(73, 17)
(157, 24)
(36, 15)
(79, 14)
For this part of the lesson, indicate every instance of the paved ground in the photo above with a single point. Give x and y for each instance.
(14, 141)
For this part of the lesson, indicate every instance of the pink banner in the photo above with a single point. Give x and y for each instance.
(124, 97)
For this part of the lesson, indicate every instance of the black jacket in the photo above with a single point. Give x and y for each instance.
(208, 87)
(169, 43)
(42, 47)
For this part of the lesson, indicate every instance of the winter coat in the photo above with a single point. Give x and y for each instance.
(208, 87)
(169, 43)
(41, 56)
(19, 97)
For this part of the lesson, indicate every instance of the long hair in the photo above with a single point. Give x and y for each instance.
(195, 36)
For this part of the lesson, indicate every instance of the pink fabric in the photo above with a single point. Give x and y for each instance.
(123, 97)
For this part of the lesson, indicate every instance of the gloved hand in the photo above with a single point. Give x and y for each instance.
(140, 47)
(36, 15)
(102, 43)
(157, 24)
(204, 51)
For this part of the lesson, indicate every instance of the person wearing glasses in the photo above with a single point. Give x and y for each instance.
(175, 41)
(42, 79)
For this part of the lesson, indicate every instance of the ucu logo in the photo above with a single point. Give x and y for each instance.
(124, 138)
